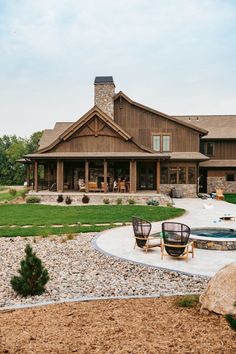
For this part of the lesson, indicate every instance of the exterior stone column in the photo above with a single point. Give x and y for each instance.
(60, 176)
(133, 176)
(36, 188)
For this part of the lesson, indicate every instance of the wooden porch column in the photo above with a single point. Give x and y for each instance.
(158, 175)
(133, 176)
(86, 174)
(28, 175)
(105, 175)
(36, 187)
(60, 176)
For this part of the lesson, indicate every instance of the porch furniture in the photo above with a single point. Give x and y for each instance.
(115, 186)
(228, 218)
(121, 186)
(81, 185)
(103, 187)
(219, 194)
(93, 187)
(142, 229)
(53, 187)
(175, 240)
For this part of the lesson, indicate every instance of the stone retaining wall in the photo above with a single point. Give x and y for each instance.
(98, 198)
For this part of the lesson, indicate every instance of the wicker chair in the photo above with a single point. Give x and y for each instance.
(175, 240)
(142, 229)
(219, 194)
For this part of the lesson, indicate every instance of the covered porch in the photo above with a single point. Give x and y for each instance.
(107, 174)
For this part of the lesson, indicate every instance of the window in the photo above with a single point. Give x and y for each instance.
(182, 175)
(207, 148)
(156, 142)
(173, 175)
(165, 143)
(164, 175)
(191, 175)
(161, 143)
(231, 177)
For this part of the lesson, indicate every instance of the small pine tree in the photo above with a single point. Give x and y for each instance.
(33, 276)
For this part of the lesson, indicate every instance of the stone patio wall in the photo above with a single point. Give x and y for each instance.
(186, 190)
(220, 182)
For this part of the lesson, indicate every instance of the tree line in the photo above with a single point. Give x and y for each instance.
(13, 148)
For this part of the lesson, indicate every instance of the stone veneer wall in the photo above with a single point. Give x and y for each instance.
(103, 97)
(187, 190)
(220, 182)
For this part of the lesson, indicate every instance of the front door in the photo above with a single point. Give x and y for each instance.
(146, 176)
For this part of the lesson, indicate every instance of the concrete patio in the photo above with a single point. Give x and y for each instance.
(119, 242)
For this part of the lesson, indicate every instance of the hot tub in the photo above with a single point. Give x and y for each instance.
(222, 239)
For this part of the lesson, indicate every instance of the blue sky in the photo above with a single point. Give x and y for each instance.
(177, 56)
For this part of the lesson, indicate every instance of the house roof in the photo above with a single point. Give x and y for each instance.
(218, 126)
(172, 118)
(218, 163)
(49, 135)
(196, 156)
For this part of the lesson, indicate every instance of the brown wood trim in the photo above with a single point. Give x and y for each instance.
(36, 176)
(133, 176)
(105, 175)
(86, 167)
(158, 176)
(60, 176)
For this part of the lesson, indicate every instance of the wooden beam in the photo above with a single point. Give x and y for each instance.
(60, 176)
(86, 174)
(133, 176)
(36, 187)
(158, 175)
(105, 175)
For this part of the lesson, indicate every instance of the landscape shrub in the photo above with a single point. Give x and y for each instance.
(33, 199)
(23, 193)
(60, 198)
(188, 301)
(152, 202)
(131, 201)
(85, 199)
(106, 201)
(33, 276)
(231, 319)
(119, 201)
(12, 191)
(68, 200)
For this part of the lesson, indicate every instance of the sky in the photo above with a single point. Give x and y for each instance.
(176, 56)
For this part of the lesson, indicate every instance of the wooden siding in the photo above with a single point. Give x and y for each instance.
(93, 137)
(224, 150)
(141, 124)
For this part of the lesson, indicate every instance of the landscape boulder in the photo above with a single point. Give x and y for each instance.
(220, 294)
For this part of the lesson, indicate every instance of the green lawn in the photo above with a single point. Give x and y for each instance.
(45, 215)
(230, 198)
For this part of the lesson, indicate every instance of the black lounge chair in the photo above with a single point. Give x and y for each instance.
(175, 240)
(142, 229)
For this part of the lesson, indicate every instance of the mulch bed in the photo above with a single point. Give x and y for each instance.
(135, 326)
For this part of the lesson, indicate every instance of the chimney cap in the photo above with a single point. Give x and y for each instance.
(103, 80)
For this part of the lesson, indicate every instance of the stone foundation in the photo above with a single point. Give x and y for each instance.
(220, 182)
(98, 198)
(186, 190)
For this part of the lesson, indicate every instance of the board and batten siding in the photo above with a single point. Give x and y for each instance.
(141, 124)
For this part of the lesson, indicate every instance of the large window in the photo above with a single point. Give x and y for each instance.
(161, 142)
(231, 177)
(178, 175)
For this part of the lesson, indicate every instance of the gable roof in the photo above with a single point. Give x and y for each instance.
(71, 128)
(49, 135)
(173, 119)
(218, 126)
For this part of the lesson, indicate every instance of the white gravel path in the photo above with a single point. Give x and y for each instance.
(76, 270)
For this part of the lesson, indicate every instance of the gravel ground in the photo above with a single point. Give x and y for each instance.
(77, 270)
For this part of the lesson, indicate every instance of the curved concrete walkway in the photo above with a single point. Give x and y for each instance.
(119, 242)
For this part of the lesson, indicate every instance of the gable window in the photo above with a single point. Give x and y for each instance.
(231, 177)
(161, 142)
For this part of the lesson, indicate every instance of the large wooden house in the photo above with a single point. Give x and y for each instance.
(122, 145)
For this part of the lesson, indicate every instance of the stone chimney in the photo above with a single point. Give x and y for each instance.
(104, 91)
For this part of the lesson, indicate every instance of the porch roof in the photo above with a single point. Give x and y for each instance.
(196, 156)
(218, 163)
(99, 155)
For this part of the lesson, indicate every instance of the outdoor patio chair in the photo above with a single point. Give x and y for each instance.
(219, 194)
(143, 239)
(175, 240)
